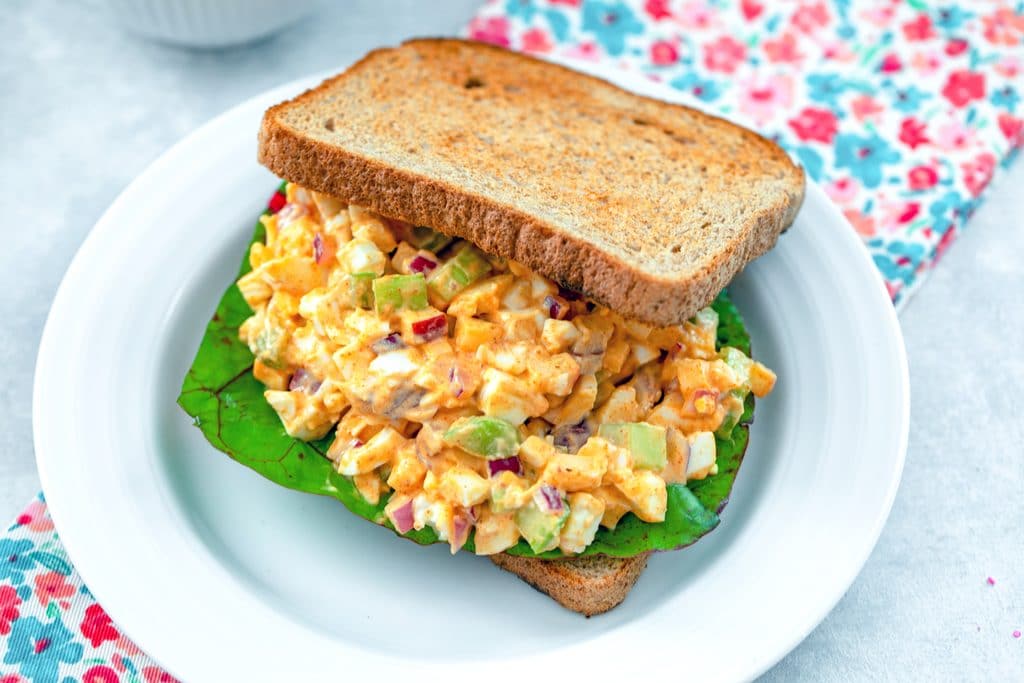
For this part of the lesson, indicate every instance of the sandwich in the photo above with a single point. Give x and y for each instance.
(486, 308)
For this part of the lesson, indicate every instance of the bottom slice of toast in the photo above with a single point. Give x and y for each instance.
(588, 585)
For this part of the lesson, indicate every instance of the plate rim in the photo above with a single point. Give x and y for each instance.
(631, 81)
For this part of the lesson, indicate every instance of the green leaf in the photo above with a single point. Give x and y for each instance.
(226, 402)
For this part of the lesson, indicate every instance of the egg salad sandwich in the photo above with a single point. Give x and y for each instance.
(486, 309)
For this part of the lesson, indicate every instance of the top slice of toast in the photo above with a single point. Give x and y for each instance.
(647, 207)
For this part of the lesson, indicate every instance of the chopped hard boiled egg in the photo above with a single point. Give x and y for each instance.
(473, 395)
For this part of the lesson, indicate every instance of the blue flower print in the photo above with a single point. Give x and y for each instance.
(1005, 97)
(826, 88)
(704, 90)
(523, 9)
(897, 260)
(951, 201)
(909, 99)
(558, 22)
(864, 156)
(39, 649)
(811, 161)
(15, 559)
(950, 18)
(612, 23)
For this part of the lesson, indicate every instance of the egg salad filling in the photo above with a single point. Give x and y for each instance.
(479, 395)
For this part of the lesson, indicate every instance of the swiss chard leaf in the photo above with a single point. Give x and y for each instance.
(226, 402)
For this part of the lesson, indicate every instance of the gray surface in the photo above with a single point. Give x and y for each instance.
(84, 109)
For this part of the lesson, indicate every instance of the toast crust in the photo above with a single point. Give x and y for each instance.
(500, 228)
(588, 585)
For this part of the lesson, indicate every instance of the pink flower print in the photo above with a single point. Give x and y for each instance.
(810, 17)
(956, 46)
(954, 136)
(100, 674)
(895, 215)
(696, 15)
(589, 52)
(536, 40)
(1003, 27)
(922, 178)
(751, 9)
(978, 173)
(865, 108)
(36, 517)
(664, 53)
(815, 124)
(879, 16)
(490, 30)
(52, 586)
(657, 9)
(890, 64)
(1013, 129)
(912, 132)
(123, 644)
(567, 3)
(838, 51)
(724, 54)
(926, 63)
(9, 602)
(97, 627)
(12, 678)
(963, 87)
(783, 51)
(861, 222)
(842, 190)
(1008, 67)
(920, 28)
(154, 675)
(761, 97)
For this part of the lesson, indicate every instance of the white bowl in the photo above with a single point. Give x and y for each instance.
(207, 23)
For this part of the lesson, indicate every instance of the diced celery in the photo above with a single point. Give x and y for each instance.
(488, 437)
(734, 406)
(431, 240)
(740, 364)
(645, 442)
(357, 290)
(399, 292)
(464, 268)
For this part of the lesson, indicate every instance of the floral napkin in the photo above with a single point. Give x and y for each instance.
(903, 111)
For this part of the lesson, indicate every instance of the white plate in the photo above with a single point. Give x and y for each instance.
(221, 575)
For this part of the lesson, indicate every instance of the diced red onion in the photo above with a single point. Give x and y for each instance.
(421, 264)
(392, 342)
(461, 524)
(303, 380)
(455, 380)
(509, 464)
(549, 499)
(402, 517)
(429, 329)
(557, 307)
(571, 437)
(318, 248)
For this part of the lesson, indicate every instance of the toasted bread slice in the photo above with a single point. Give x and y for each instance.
(646, 207)
(588, 585)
